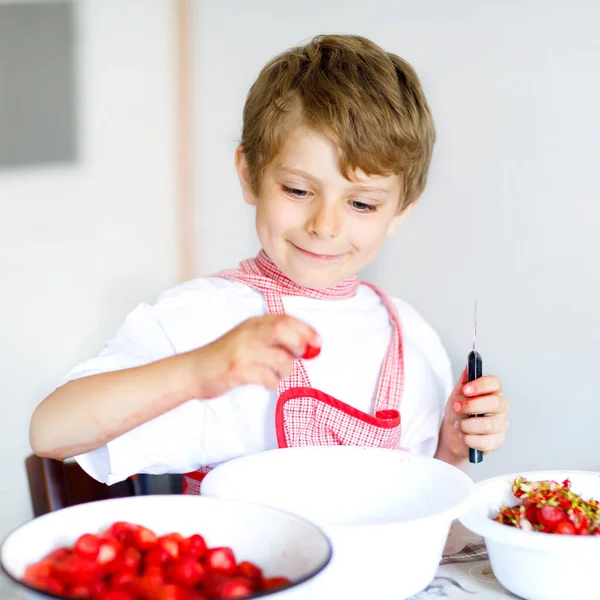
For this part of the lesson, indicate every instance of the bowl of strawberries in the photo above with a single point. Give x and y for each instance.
(542, 532)
(166, 548)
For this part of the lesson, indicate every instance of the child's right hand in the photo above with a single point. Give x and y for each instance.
(259, 351)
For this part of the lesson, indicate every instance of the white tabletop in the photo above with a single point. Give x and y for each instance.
(464, 573)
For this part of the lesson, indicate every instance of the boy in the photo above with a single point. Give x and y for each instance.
(336, 145)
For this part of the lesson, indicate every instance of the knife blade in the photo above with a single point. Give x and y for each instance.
(474, 371)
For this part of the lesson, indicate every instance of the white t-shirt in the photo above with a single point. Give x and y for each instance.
(355, 335)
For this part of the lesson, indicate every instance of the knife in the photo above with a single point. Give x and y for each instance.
(474, 371)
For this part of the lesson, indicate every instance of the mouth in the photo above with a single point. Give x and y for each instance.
(315, 257)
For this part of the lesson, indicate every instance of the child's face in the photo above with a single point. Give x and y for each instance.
(315, 225)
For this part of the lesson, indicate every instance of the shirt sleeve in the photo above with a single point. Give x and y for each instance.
(153, 447)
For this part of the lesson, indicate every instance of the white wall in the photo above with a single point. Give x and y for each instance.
(81, 245)
(511, 214)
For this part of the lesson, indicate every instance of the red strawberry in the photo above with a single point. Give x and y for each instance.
(531, 513)
(275, 582)
(115, 595)
(87, 546)
(580, 521)
(130, 559)
(170, 545)
(58, 555)
(108, 551)
(170, 592)
(250, 571)
(144, 538)
(81, 591)
(221, 560)
(122, 579)
(213, 583)
(157, 556)
(38, 571)
(311, 352)
(550, 516)
(186, 571)
(75, 569)
(565, 528)
(238, 587)
(50, 585)
(145, 585)
(155, 571)
(194, 545)
(122, 531)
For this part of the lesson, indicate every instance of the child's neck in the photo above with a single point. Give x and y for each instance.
(286, 286)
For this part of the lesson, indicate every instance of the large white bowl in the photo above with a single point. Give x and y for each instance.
(530, 564)
(280, 543)
(387, 512)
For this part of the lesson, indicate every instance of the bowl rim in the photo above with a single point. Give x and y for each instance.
(450, 513)
(484, 525)
(179, 498)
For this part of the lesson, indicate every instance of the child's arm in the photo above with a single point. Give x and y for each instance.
(86, 413)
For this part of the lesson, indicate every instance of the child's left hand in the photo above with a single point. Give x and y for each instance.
(459, 433)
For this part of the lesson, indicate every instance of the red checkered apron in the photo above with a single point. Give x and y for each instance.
(306, 416)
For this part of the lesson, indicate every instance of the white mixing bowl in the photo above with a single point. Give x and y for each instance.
(530, 564)
(280, 543)
(387, 512)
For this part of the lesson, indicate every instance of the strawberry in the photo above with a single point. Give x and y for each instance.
(311, 352)
(157, 556)
(58, 555)
(187, 571)
(116, 595)
(81, 591)
(76, 569)
(170, 591)
(170, 545)
(50, 585)
(130, 559)
(155, 571)
(123, 532)
(122, 579)
(194, 545)
(565, 528)
(550, 516)
(250, 571)
(221, 560)
(144, 539)
(531, 514)
(87, 546)
(145, 586)
(213, 583)
(275, 582)
(108, 550)
(38, 571)
(238, 587)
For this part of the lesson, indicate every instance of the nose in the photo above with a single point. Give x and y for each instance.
(325, 220)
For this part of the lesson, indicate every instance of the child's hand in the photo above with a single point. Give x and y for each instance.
(258, 351)
(459, 433)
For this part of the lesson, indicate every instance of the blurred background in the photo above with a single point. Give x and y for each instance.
(118, 122)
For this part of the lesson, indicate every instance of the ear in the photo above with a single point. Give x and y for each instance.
(241, 166)
(399, 218)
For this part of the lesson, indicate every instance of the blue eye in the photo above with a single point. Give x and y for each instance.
(362, 206)
(297, 193)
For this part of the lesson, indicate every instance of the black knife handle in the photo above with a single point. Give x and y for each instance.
(474, 371)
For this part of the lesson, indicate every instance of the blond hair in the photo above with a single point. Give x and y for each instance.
(368, 102)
